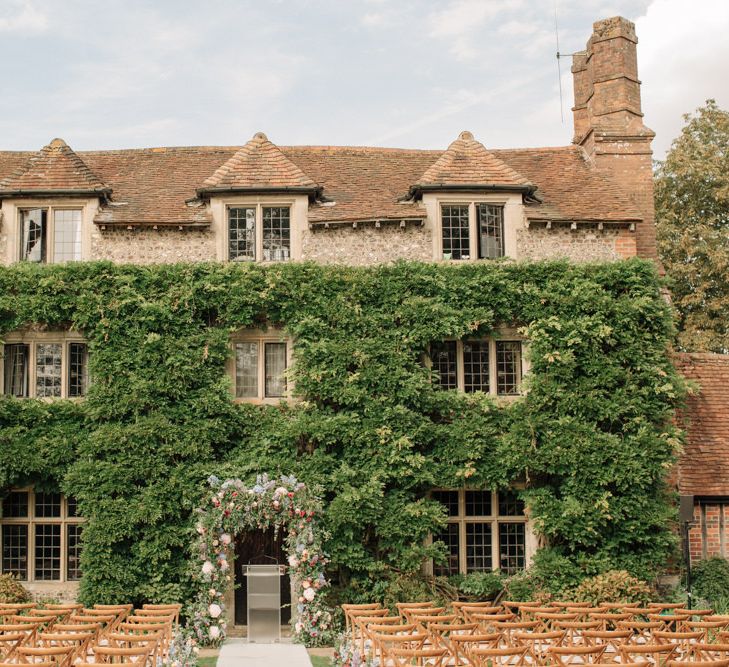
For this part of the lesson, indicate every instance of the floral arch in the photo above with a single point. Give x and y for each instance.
(231, 507)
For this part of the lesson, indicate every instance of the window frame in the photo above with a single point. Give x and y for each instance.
(31, 521)
(261, 337)
(258, 205)
(473, 227)
(494, 520)
(50, 239)
(32, 340)
(507, 337)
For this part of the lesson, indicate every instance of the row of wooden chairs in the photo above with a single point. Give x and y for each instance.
(514, 633)
(63, 635)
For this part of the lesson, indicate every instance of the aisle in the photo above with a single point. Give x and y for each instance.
(237, 652)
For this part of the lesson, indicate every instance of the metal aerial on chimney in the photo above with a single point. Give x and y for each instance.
(559, 66)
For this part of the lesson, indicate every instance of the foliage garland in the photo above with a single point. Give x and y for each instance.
(592, 439)
(284, 503)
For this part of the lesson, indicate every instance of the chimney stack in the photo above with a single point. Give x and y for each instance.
(609, 121)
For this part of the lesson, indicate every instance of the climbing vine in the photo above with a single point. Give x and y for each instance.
(592, 439)
(285, 504)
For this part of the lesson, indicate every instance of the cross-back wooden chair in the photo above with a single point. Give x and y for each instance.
(113, 655)
(493, 657)
(656, 653)
(413, 605)
(682, 640)
(347, 608)
(421, 657)
(547, 620)
(466, 610)
(508, 628)
(78, 641)
(35, 664)
(175, 608)
(562, 604)
(698, 663)
(360, 618)
(461, 645)
(152, 632)
(441, 633)
(59, 655)
(574, 630)
(537, 643)
(641, 631)
(409, 612)
(574, 655)
(709, 629)
(671, 621)
(609, 620)
(612, 640)
(488, 621)
(385, 643)
(12, 636)
(707, 651)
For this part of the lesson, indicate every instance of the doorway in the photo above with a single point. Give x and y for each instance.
(259, 547)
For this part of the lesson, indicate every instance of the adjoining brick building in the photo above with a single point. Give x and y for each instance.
(590, 201)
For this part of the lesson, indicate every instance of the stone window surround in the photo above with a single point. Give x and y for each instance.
(31, 521)
(530, 540)
(32, 338)
(261, 336)
(12, 207)
(299, 207)
(513, 219)
(507, 334)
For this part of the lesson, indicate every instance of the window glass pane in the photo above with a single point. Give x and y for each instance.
(15, 551)
(66, 236)
(15, 505)
(71, 507)
(276, 234)
(33, 232)
(48, 505)
(16, 370)
(73, 552)
(275, 367)
(490, 220)
(47, 551)
(78, 356)
(456, 234)
(241, 234)
(511, 547)
(508, 367)
(444, 363)
(48, 369)
(449, 500)
(478, 547)
(478, 503)
(449, 536)
(476, 366)
(246, 370)
(510, 504)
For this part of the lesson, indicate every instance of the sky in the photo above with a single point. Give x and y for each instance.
(403, 73)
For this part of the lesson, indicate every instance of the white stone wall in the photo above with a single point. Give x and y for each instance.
(580, 245)
(53, 590)
(144, 245)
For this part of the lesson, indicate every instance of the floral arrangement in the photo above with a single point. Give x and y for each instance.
(284, 503)
(348, 653)
(183, 650)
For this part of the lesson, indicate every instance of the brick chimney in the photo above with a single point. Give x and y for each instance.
(609, 121)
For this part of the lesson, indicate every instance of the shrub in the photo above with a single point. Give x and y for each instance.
(11, 590)
(479, 585)
(711, 580)
(613, 586)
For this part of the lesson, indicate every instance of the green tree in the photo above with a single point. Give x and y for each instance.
(692, 215)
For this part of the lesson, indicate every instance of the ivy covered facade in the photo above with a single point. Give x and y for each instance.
(464, 353)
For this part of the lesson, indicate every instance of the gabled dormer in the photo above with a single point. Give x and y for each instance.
(259, 200)
(474, 202)
(48, 205)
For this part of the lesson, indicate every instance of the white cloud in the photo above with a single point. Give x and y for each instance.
(22, 16)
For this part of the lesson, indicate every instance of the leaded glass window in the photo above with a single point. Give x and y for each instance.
(246, 370)
(490, 224)
(66, 235)
(33, 235)
(15, 550)
(276, 233)
(455, 231)
(16, 369)
(241, 234)
(450, 537)
(275, 369)
(508, 367)
(443, 355)
(73, 551)
(48, 370)
(78, 378)
(512, 549)
(260, 367)
(476, 367)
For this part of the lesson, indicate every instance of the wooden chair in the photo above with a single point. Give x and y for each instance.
(698, 663)
(547, 620)
(386, 643)
(612, 640)
(423, 657)
(488, 621)
(408, 612)
(465, 610)
(609, 620)
(358, 619)
(537, 643)
(12, 636)
(346, 608)
(441, 633)
(35, 664)
(682, 640)
(58, 655)
(493, 657)
(153, 632)
(78, 641)
(461, 645)
(571, 605)
(112, 655)
(509, 628)
(574, 630)
(574, 655)
(657, 653)
(641, 631)
(706, 651)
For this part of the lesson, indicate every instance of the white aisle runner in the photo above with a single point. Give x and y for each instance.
(237, 652)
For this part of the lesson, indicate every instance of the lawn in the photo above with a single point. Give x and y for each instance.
(207, 662)
(320, 661)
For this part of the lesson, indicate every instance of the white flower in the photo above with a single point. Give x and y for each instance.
(293, 561)
(226, 539)
(214, 632)
(208, 567)
(309, 594)
(212, 592)
(306, 584)
(223, 565)
(214, 610)
(280, 491)
(299, 626)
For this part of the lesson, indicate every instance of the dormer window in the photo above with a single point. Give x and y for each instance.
(50, 235)
(472, 230)
(259, 233)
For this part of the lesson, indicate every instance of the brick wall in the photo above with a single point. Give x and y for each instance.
(708, 534)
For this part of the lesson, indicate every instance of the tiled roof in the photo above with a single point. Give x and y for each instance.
(467, 162)
(53, 169)
(259, 165)
(703, 469)
(159, 185)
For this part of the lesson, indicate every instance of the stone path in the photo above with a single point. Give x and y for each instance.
(237, 652)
